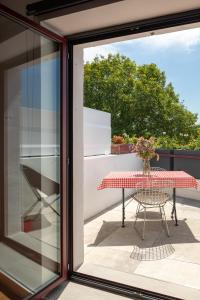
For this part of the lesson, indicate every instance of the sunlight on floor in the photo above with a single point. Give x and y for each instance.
(159, 263)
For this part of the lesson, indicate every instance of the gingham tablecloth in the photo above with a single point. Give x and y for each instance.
(180, 179)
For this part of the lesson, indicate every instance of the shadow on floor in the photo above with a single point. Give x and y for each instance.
(112, 234)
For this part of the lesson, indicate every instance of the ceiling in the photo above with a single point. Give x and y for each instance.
(117, 13)
(18, 5)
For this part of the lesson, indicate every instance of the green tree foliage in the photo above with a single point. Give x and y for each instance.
(138, 97)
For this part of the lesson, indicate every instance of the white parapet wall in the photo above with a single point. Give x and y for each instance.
(95, 169)
(97, 132)
(98, 162)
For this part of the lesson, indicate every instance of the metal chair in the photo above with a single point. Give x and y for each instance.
(153, 194)
(162, 169)
(157, 169)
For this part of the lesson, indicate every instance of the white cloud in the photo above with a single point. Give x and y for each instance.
(185, 39)
(90, 53)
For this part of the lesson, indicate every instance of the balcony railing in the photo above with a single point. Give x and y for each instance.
(185, 160)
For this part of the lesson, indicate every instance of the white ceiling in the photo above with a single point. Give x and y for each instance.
(117, 13)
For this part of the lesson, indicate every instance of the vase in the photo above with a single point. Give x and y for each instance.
(146, 167)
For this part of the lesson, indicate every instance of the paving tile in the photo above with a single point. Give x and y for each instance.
(110, 258)
(143, 282)
(179, 272)
(112, 245)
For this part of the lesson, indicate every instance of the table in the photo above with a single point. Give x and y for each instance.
(130, 179)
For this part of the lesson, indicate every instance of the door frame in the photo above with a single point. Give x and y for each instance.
(142, 26)
(64, 140)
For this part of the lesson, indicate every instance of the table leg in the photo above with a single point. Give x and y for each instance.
(173, 213)
(123, 207)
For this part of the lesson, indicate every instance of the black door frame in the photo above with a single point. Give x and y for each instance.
(31, 25)
(147, 25)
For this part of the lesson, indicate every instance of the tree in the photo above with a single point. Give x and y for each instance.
(138, 98)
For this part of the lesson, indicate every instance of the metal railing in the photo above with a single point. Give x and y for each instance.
(185, 160)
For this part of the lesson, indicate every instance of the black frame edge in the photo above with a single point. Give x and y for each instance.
(118, 288)
(146, 25)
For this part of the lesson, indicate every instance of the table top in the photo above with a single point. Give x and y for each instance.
(130, 179)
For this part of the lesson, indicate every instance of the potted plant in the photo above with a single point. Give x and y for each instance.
(145, 149)
(119, 145)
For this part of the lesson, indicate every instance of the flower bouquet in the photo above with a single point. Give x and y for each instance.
(145, 149)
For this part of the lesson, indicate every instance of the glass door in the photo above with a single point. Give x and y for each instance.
(32, 114)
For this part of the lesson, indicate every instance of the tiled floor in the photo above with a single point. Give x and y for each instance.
(169, 264)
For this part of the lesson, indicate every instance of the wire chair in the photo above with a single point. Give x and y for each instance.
(153, 194)
(162, 169)
(157, 169)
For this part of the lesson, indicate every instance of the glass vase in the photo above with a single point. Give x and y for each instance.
(146, 167)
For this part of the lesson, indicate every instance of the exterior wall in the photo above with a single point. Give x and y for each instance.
(98, 163)
(95, 168)
(97, 132)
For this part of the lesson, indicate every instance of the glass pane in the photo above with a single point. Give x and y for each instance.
(30, 156)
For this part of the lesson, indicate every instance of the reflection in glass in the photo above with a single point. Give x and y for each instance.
(30, 160)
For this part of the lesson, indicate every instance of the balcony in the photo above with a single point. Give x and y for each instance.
(158, 263)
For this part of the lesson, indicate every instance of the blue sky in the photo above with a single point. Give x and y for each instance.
(177, 54)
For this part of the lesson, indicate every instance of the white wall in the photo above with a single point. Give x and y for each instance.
(78, 153)
(95, 169)
(97, 132)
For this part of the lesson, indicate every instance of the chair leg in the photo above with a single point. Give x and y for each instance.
(144, 223)
(161, 214)
(137, 212)
(49, 205)
(165, 219)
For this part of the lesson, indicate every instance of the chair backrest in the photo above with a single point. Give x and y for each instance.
(40, 182)
(154, 192)
(157, 169)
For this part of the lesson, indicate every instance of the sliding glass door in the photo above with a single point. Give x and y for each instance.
(31, 187)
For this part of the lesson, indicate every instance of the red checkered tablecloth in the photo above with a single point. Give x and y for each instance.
(129, 179)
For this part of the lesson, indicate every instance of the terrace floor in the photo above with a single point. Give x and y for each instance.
(168, 265)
